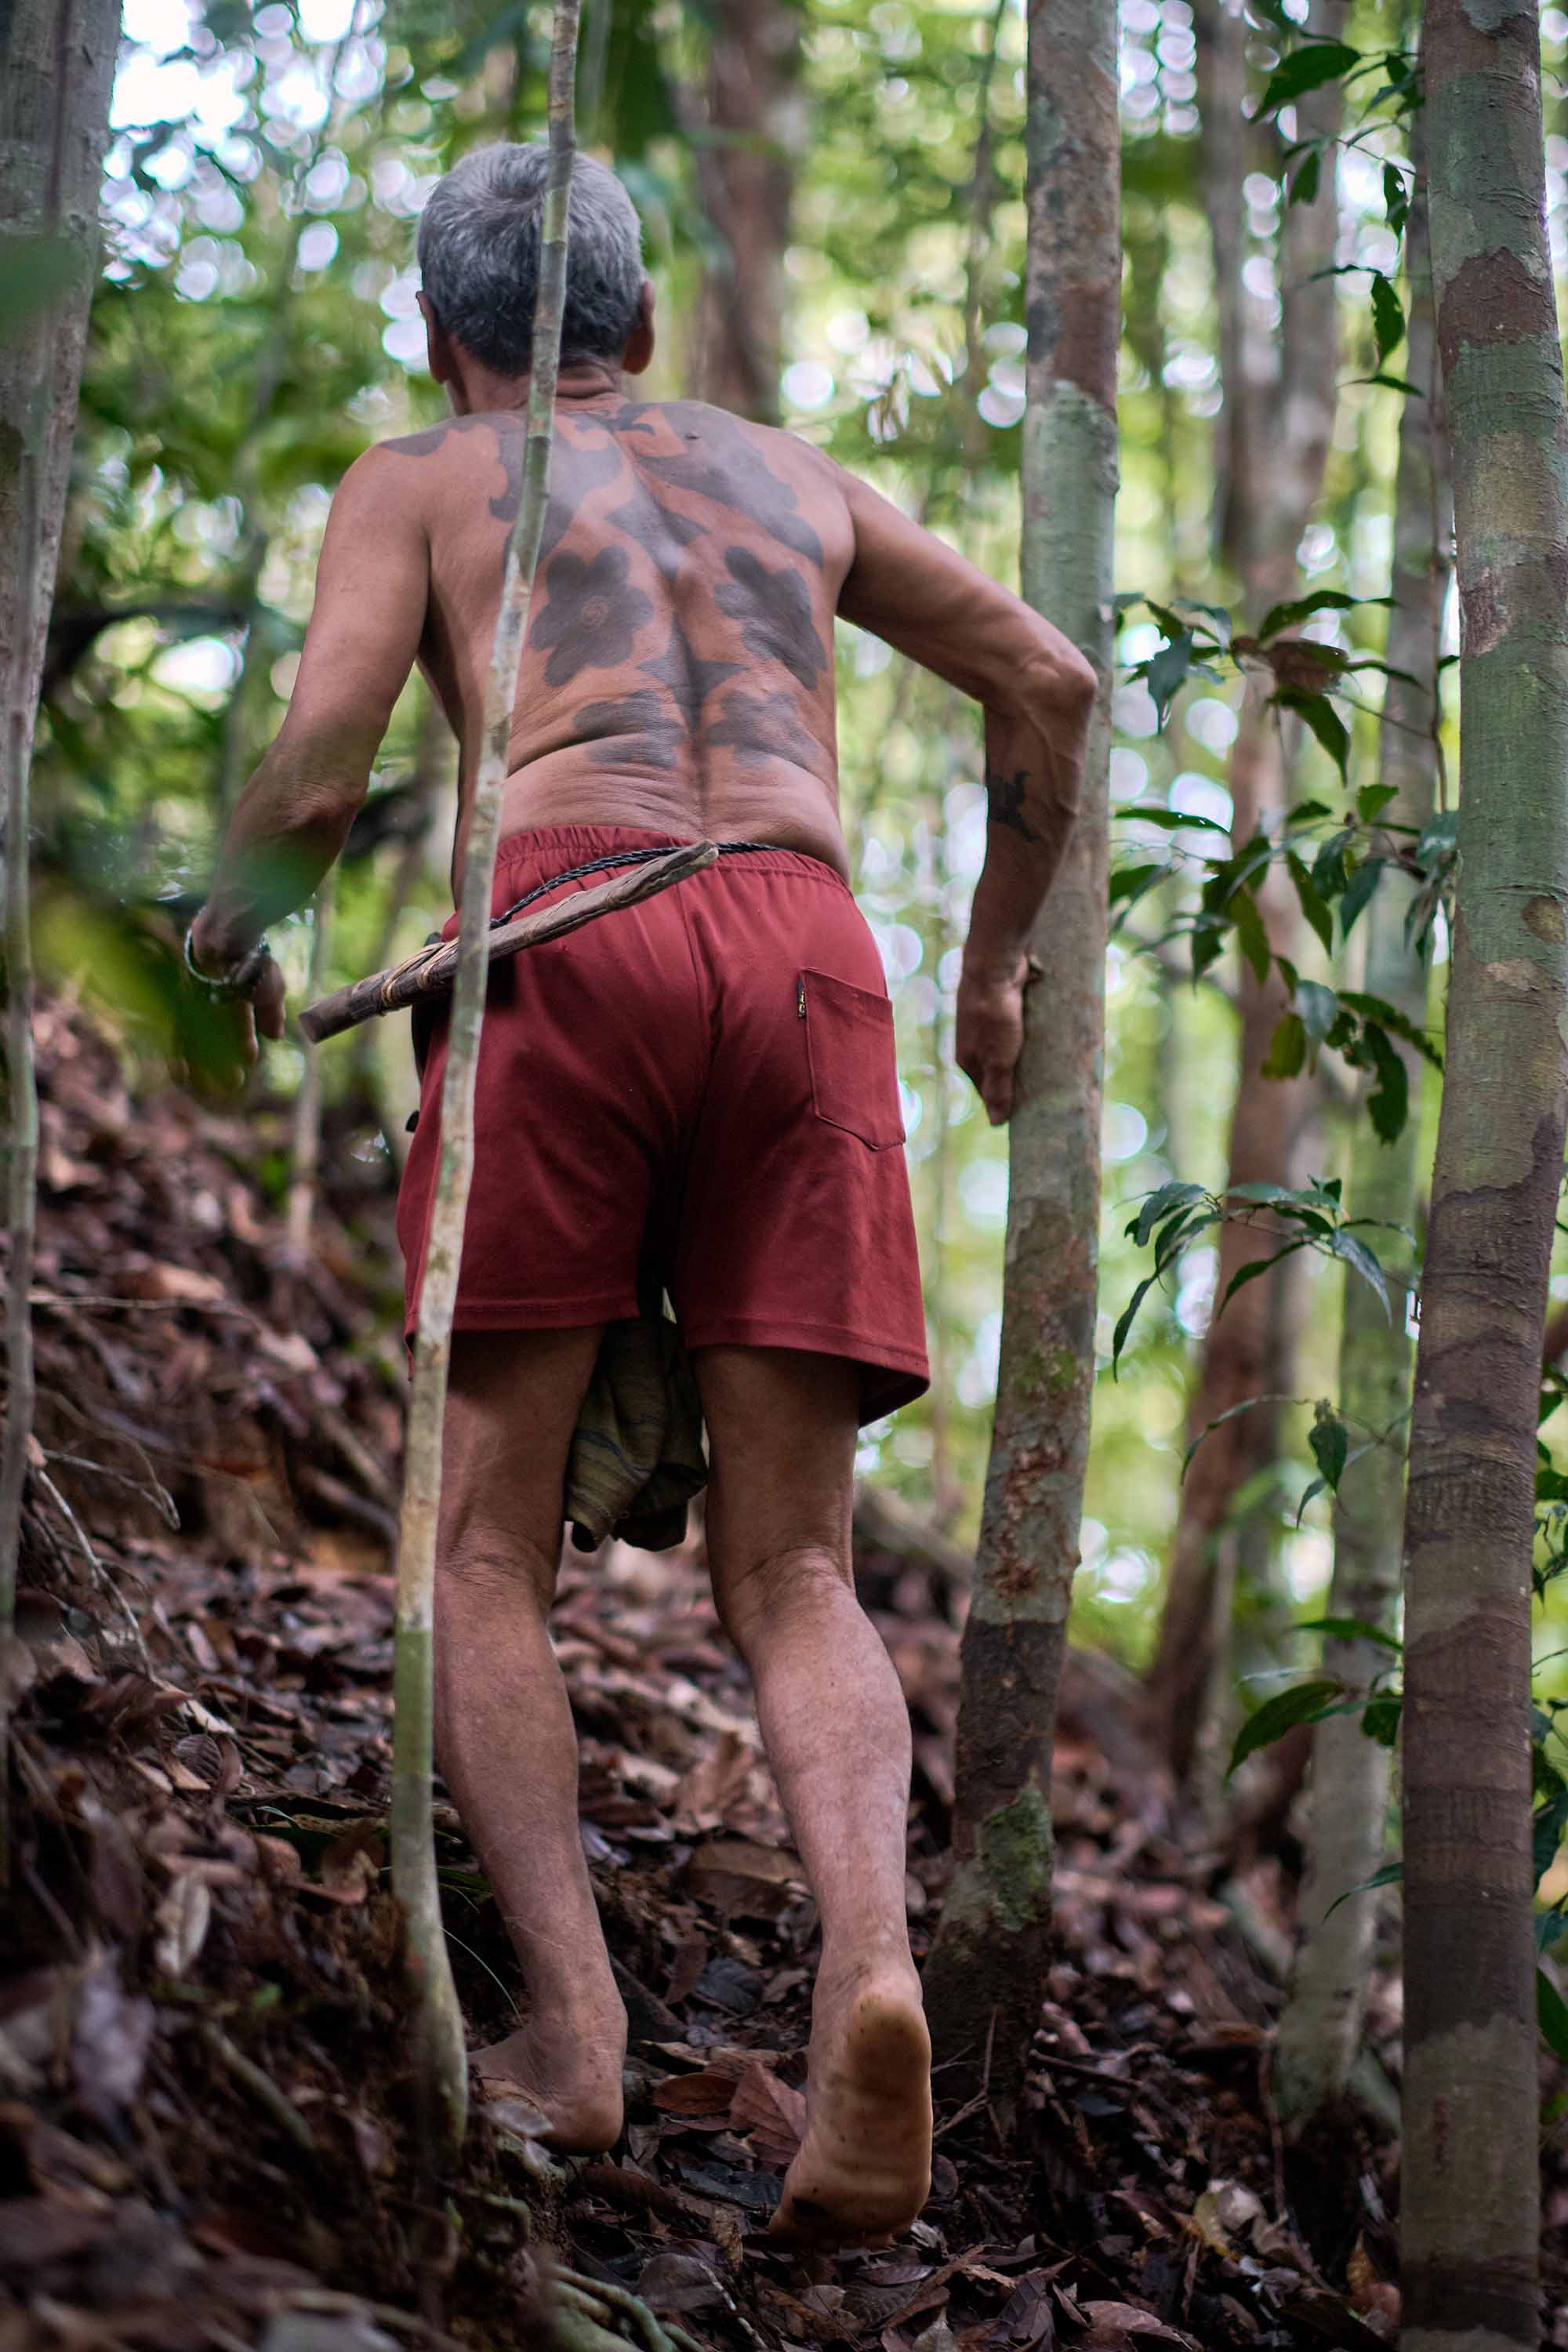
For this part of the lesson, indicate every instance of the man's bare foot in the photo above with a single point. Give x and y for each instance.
(571, 2072)
(863, 2171)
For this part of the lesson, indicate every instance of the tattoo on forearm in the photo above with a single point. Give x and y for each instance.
(1005, 796)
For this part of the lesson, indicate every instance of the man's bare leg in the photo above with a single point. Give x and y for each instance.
(503, 1723)
(782, 1431)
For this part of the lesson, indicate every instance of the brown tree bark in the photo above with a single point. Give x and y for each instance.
(985, 1973)
(56, 62)
(1470, 2213)
(1272, 445)
(745, 178)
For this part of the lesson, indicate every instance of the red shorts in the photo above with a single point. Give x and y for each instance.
(703, 1085)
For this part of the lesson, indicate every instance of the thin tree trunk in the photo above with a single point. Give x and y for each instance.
(56, 62)
(985, 1973)
(442, 2067)
(1271, 448)
(1320, 2031)
(1470, 2194)
(745, 177)
(305, 1126)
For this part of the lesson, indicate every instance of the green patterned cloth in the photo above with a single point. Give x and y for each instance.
(637, 1454)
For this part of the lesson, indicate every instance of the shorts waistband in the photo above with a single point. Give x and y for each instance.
(548, 848)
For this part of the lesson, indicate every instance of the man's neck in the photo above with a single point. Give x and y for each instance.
(480, 392)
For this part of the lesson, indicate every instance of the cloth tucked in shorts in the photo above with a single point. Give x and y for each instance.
(702, 1087)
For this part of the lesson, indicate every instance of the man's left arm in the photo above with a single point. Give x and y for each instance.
(294, 815)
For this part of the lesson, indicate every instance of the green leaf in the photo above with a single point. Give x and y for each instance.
(1159, 1204)
(1313, 904)
(1303, 1703)
(1318, 715)
(1396, 198)
(1330, 1441)
(1373, 799)
(1287, 1054)
(1551, 1927)
(1546, 1833)
(1379, 1717)
(1165, 672)
(1551, 2013)
(1304, 186)
(1250, 1272)
(1312, 67)
(1250, 935)
(1393, 383)
(1320, 1010)
(1170, 819)
(1389, 1017)
(1321, 600)
(1387, 316)
(1389, 1875)
(1128, 883)
(1350, 1629)
(1358, 892)
(1124, 1322)
(1388, 1105)
(1356, 1255)
(1304, 812)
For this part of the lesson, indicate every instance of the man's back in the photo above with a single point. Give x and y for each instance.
(679, 668)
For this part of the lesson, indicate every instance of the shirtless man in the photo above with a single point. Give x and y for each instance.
(707, 1076)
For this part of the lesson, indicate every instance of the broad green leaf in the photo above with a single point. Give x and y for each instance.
(1388, 1105)
(1373, 799)
(1330, 1441)
(1387, 316)
(1165, 672)
(1321, 600)
(1287, 1054)
(1129, 882)
(1170, 819)
(1319, 1007)
(1159, 1204)
(1250, 1272)
(1356, 1253)
(1305, 811)
(1310, 67)
(1396, 198)
(1551, 1927)
(1318, 714)
(1548, 1826)
(1304, 186)
(1303, 1703)
(1358, 891)
(1388, 1016)
(1314, 906)
(1380, 1719)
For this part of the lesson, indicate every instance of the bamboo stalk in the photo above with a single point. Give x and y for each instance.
(429, 973)
(441, 2066)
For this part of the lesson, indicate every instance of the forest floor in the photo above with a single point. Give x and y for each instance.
(206, 2136)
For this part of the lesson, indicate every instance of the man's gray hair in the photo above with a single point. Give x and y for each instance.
(479, 257)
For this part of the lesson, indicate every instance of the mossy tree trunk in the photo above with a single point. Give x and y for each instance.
(57, 63)
(985, 1974)
(1320, 2032)
(1470, 2194)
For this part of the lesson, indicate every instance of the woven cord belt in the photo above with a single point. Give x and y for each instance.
(603, 866)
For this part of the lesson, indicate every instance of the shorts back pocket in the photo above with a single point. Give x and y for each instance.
(852, 1057)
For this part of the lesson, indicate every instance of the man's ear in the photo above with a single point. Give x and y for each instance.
(640, 342)
(437, 343)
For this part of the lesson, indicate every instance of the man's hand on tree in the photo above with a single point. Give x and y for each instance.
(988, 1033)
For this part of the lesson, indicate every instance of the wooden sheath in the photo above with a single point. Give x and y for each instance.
(429, 973)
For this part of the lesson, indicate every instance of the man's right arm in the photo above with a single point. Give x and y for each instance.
(1037, 693)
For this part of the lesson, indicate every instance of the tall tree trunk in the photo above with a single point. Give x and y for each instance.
(441, 2064)
(1272, 444)
(984, 1976)
(57, 63)
(1320, 2032)
(1470, 2191)
(745, 176)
